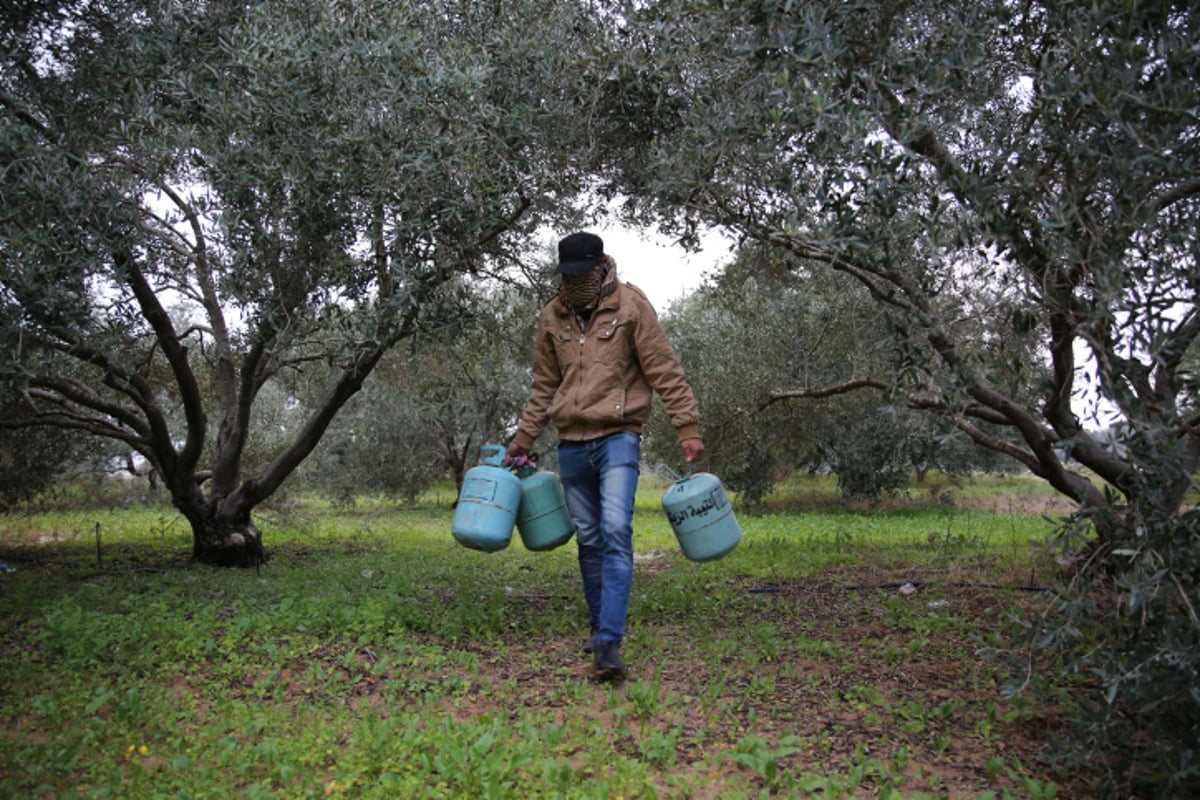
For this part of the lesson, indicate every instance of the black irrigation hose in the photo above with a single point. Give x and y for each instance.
(958, 584)
(756, 590)
(915, 584)
(81, 565)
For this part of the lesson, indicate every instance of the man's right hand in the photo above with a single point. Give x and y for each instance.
(514, 452)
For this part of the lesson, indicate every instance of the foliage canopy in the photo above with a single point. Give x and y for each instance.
(1015, 185)
(201, 199)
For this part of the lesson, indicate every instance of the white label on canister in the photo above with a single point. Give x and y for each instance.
(479, 489)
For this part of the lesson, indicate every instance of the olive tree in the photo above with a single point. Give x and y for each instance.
(986, 171)
(1021, 170)
(1035, 163)
(31, 460)
(301, 177)
(802, 327)
(433, 401)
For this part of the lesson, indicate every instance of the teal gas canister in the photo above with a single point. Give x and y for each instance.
(487, 503)
(542, 518)
(701, 516)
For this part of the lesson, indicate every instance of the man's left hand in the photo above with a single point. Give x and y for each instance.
(693, 449)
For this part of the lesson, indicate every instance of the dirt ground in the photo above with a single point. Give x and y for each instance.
(842, 682)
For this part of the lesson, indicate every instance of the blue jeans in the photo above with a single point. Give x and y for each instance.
(599, 481)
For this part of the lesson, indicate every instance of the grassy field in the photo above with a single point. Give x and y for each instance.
(836, 653)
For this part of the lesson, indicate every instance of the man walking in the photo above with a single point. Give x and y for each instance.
(599, 355)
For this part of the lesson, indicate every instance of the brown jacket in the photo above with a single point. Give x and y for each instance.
(595, 382)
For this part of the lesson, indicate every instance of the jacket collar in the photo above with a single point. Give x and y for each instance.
(610, 302)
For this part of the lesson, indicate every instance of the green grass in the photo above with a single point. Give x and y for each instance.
(374, 657)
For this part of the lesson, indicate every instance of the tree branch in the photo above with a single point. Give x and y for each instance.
(64, 416)
(829, 391)
(23, 114)
(1180, 191)
(176, 355)
(252, 491)
(62, 390)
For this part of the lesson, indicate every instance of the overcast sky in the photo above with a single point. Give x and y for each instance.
(660, 268)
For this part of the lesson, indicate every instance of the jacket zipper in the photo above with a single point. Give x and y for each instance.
(579, 370)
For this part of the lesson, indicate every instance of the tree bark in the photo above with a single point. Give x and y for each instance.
(221, 542)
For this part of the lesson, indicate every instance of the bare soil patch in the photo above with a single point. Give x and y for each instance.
(846, 677)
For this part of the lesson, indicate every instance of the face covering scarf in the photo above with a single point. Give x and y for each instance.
(582, 293)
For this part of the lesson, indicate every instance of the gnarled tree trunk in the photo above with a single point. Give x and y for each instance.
(224, 543)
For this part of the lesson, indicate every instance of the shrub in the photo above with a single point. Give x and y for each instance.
(1127, 625)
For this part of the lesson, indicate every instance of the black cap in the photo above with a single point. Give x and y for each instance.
(578, 253)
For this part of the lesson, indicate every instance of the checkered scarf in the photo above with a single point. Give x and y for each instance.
(583, 293)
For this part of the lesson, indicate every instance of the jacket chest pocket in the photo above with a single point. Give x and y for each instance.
(611, 339)
(567, 345)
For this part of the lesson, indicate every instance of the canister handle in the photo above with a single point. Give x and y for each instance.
(493, 454)
(665, 472)
(524, 466)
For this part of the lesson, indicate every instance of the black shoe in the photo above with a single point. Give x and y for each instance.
(590, 644)
(609, 665)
